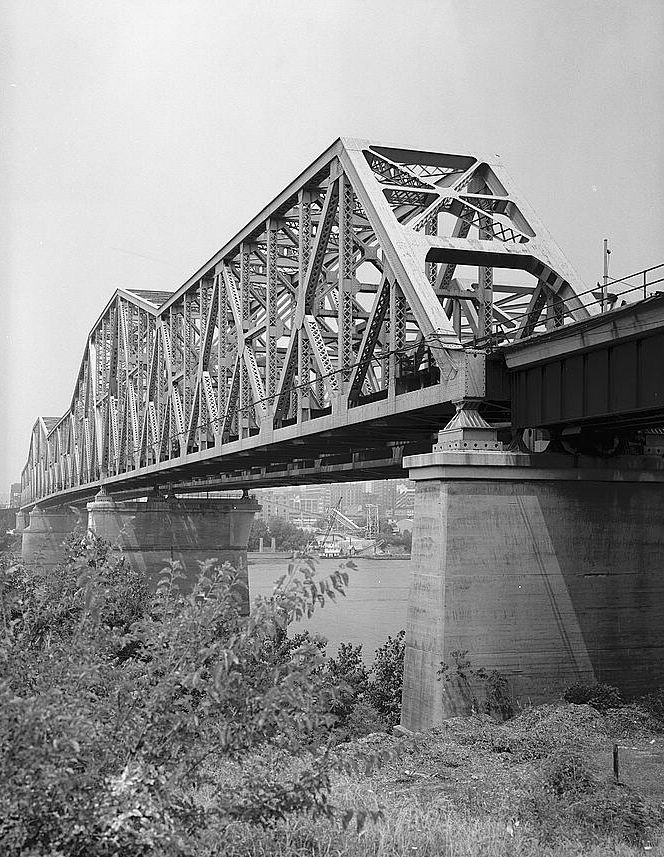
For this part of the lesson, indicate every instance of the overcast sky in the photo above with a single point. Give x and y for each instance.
(139, 136)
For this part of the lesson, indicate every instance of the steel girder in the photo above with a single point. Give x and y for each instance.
(355, 279)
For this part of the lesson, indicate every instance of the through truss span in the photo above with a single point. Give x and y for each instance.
(330, 335)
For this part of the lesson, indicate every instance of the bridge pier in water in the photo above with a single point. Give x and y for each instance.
(547, 568)
(42, 540)
(163, 529)
(150, 533)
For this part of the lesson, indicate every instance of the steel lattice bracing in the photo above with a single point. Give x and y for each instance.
(366, 291)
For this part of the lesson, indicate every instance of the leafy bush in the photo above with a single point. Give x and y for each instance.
(477, 689)
(94, 582)
(386, 685)
(600, 696)
(348, 674)
(653, 703)
(364, 720)
(285, 645)
(10, 542)
(403, 540)
(117, 705)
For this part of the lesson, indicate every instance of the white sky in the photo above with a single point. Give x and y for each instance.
(139, 135)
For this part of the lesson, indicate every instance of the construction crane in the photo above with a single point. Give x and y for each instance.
(337, 520)
(343, 522)
(373, 524)
(330, 523)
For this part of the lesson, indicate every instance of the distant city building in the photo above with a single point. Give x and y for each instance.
(15, 495)
(304, 505)
(12, 500)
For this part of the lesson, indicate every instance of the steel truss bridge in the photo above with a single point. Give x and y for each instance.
(327, 339)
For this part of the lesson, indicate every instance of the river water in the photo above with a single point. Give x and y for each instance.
(374, 607)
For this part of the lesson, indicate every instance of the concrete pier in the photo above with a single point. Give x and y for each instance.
(547, 568)
(43, 539)
(150, 533)
(154, 532)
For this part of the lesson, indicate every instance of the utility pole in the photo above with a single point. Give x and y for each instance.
(605, 286)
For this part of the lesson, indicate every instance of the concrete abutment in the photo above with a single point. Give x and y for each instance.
(549, 569)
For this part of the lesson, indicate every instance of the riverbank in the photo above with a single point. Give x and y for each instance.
(539, 785)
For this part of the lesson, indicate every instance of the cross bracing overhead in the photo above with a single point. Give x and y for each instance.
(367, 293)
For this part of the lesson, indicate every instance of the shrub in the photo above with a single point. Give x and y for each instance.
(386, 684)
(95, 583)
(600, 696)
(654, 703)
(116, 705)
(259, 530)
(10, 542)
(364, 720)
(348, 674)
(285, 645)
(477, 689)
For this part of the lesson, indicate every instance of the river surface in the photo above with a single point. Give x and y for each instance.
(373, 609)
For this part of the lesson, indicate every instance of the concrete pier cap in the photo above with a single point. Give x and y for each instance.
(547, 568)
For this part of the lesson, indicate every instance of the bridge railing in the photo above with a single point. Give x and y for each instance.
(634, 287)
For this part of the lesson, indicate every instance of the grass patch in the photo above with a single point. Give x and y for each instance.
(539, 784)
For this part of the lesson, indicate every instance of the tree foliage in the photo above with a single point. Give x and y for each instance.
(386, 685)
(287, 536)
(349, 675)
(116, 704)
